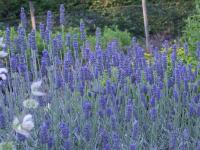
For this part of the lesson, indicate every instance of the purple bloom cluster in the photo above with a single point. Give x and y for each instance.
(101, 97)
(2, 119)
(23, 18)
(49, 22)
(62, 14)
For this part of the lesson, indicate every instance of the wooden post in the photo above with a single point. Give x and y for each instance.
(105, 3)
(32, 15)
(144, 8)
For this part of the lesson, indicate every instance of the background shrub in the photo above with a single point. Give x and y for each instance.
(191, 32)
(126, 14)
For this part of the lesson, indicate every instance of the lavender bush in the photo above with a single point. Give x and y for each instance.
(74, 97)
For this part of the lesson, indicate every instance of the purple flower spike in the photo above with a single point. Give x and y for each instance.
(172, 141)
(103, 102)
(43, 133)
(42, 31)
(2, 119)
(98, 36)
(67, 145)
(50, 142)
(82, 30)
(129, 112)
(23, 18)
(186, 48)
(21, 137)
(64, 130)
(62, 14)
(68, 38)
(153, 113)
(33, 43)
(87, 108)
(198, 50)
(49, 20)
(133, 146)
(87, 132)
(104, 137)
(186, 134)
(135, 130)
(198, 145)
(152, 102)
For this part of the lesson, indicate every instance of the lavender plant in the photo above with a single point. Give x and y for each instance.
(95, 98)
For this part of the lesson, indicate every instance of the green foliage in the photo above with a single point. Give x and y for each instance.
(11, 8)
(190, 59)
(110, 34)
(1, 32)
(191, 32)
(126, 14)
(6, 146)
(123, 37)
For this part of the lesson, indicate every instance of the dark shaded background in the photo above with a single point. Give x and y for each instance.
(166, 17)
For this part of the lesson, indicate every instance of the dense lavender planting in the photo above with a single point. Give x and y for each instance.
(95, 99)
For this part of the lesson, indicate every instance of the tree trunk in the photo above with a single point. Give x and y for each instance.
(105, 3)
(144, 8)
(32, 15)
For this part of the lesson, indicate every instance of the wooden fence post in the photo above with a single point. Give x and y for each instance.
(144, 8)
(32, 15)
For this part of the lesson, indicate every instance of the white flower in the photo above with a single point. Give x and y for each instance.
(1, 42)
(3, 54)
(27, 123)
(3, 76)
(2, 73)
(3, 70)
(20, 130)
(47, 108)
(35, 88)
(36, 85)
(25, 126)
(38, 93)
(30, 103)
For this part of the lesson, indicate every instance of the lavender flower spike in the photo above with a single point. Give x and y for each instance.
(62, 14)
